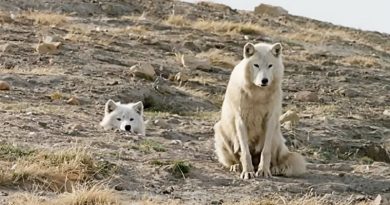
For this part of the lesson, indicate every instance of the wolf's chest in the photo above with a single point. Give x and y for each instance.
(255, 118)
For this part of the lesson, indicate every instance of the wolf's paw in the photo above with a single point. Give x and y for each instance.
(235, 168)
(247, 175)
(266, 173)
(278, 170)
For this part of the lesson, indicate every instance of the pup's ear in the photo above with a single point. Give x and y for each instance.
(139, 107)
(110, 106)
(249, 50)
(276, 49)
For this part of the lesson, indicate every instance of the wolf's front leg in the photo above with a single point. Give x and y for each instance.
(272, 125)
(245, 158)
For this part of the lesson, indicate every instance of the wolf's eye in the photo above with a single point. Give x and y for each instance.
(119, 119)
(131, 119)
(270, 66)
(256, 65)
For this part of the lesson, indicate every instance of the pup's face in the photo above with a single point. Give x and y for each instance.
(126, 117)
(264, 62)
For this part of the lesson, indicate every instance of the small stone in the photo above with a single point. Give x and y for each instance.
(42, 124)
(143, 70)
(115, 82)
(290, 116)
(48, 48)
(386, 112)
(162, 124)
(341, 79)
(4, 85)
(192, 62)
(119, 187)
(379, 200)
(288, 125)
(176, 142)
(52, 39)
(73, 101)
(306, 96)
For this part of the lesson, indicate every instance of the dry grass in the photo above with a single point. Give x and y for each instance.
(96, 195)
(228, 27)
(49, 19)
(324, 110)
(360, 61)
(222, 27)
(177, 20)
(218, 58)
(50, 170)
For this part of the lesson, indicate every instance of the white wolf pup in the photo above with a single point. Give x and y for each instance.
(126, 117)
(248, 135)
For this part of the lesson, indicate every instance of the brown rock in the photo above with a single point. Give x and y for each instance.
(289, 116)
(306, 96)
(144, 70)
(4, 85)
(270, 10)
(192, 62)
(48, 48)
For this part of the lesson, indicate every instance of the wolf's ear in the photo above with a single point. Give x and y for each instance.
(276, 49)
(249, 50)
(139, 107)
(110, 106)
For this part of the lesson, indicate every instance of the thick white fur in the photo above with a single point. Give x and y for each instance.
(122, 116)
(248, 135)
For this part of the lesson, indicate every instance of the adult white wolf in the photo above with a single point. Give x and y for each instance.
(248, 135)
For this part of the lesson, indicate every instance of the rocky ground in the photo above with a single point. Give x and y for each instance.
(60, 61)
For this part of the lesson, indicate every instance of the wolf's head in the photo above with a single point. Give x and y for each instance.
(264, 63)
(126, 117)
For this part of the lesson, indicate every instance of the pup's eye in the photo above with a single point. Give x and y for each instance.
(131, 119)
(119, 119)
(256, 65)
(270, 66)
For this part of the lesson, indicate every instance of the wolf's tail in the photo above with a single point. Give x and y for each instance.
(289, 163)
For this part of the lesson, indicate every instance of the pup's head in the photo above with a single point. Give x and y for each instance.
(126, 117)
(265, 62)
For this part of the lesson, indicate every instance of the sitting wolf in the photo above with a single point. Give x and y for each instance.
(248, 135)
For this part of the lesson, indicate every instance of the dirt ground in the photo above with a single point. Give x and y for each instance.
(343, 131)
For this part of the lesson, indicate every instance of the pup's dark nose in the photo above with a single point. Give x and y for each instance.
(127, 127)
(264, 81)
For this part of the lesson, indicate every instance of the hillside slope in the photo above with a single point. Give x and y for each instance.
(51, 142)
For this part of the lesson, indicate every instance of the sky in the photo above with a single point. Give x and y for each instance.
(371, 15)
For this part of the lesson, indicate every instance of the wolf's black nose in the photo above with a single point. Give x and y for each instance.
(127, 127)
(264, 81)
